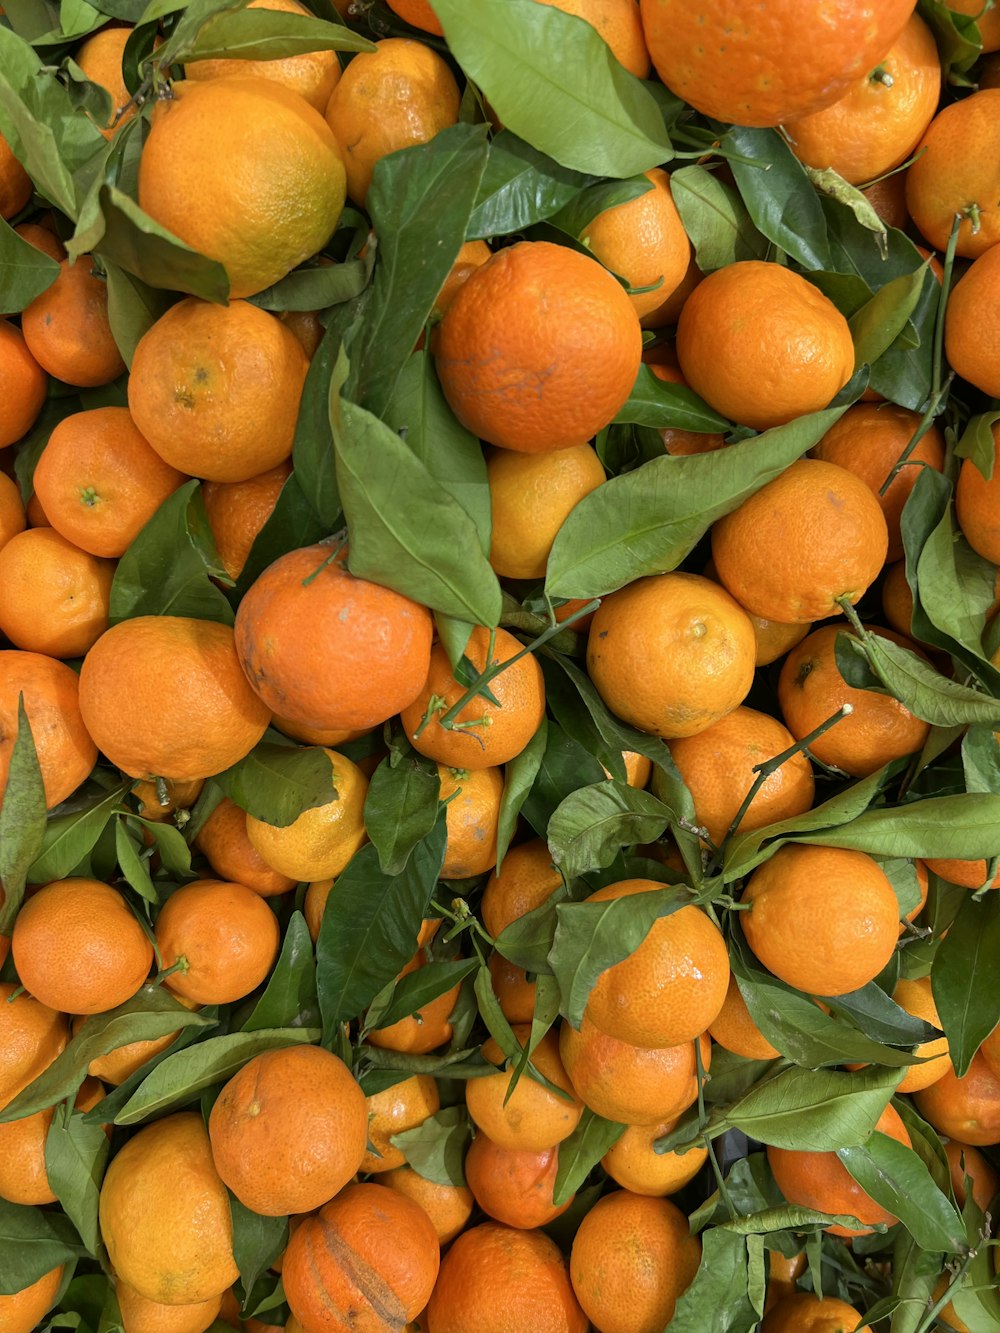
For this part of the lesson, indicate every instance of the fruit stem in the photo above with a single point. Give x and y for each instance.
(181, 965)
(930, 1318)
(881, 75)
(162, 791)
(720, 1179)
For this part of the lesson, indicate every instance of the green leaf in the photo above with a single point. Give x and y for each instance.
(180, 1077)
(580, 1153)
(552, 80)
(32, 1244)
(152, 1012)
(436, 1147)
(75, 1156)
(418, 989)
(520, 186)
(520, 774)
(262, 34)
(565, 765)
(407, 532)
(257, 1241)
(576, 217)
(369, 930)
(962, 978)
(133, 867)
(592, 824)
(427, 190)
(981, 760)
(716, 219)
(877, 325)
(70, 836)
(276, 783)
(168, 569)
(24, 271)
(779, 195)
(957, 35)
(528, 940)
(896, 1178)
(647, 521)
(133, 308)
(591, 937)
(289, 998)
(977, 442)
(878, 1016)
(314, 478)
(938, 827)
(315, 288)
(924, 691)
(656, 403)
(815, 1110)
(401, 808)
(22, 819)
(718, 1299)
(293, 521)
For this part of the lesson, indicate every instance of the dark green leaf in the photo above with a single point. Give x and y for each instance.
(293, 523)
(962, 978)
(894, 1176)
(401, 808)
(779, 195)
(718, 1299)
(315, 288)
(520, 775)
(133, 867)
(24, 271)
(565, 765)
(877, 325)
(419, 988)
(978, 444)
(263, 34)
(981, 760)
(436, 1147)
(314, 478)
(942, 826)
(715, 218)
(658, 404)
(519, 187)
(133, 308)
(289, 999)
(528, 940)
(815, 1110)
(580, 1153)
(70, 836)
(957, 35)
(75, 1157)
(591, 825)
(552, 80)
(32, 1244)
(257, 1241)
(22, 819)
(276, 783)
(879, 1017)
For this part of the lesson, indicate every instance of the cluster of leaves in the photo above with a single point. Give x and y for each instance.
(377, 450)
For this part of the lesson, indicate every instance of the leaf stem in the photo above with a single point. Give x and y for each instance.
(720, 1179)
(930, 1318)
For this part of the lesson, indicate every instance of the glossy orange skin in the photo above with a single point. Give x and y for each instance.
(232, 856)
(228, 935)
(976, 499)
(402, 1106)
(51, 690)
(524, 881)
(512, 1186)
(965, 1108)
(22, 382)
(804, 1312)
(54, 598)
(619, 24)
(67, 328)
(448, 1206)
(31, 1036)
(734, 1029)
(23, 1311)
(633, 1163)
(958, 165)
(633, 1085)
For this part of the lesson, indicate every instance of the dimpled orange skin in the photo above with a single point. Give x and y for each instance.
(165, 1216)
(142, 1316)
(881, 118)
(526, 878)
(237, 510)
(972, 341)
(734, 1028)
(762, 345)
(633, 1163)
(22, 382)
(307, 606)
(977, 503)
(967, 1108)
(24, 1310)
(761, 66)
(366, 1262)
(15, 183)
(533, 1118)
(957, 164)
(228, 935)
(539, 349)
(619, 24)
(670, 989)
(671, 653)
(820, 1180)
(970, 874)
(232, 856)
(31, 1036)
(54, 598)
(67, 328)
(633, 1085)
(511, 1186)
(448, 1206)
(65, 748)
(812, 535)
(164, 696)
(804, 1312)
(822, 919)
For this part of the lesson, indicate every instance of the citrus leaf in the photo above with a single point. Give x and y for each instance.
(565, 766)
(32, 1244)
(419, 988)
(715, 218)
(314, 479)
(647, 521)
(878, 1016)
(656, 403)
(815, 1110)
(133, 308)
(436, 1147)
(938, 827)
(923, 690)
(24, 271)
(75, 1156)
(967, 1001)
(552, 80)
(880, 321)
(133, 867)
(520, 774)
(977, 442)
(528, 940)
(894, 1176)
(401, 808)
(22, 819)
(257, 1241)
(289, 998)
(292, 523)
(70, 836)
(581, 1152)
(718, 1299)
(262, 34)
(981, 760)
(520, 186)
(588, 828)
(276, 783)
(778, 194)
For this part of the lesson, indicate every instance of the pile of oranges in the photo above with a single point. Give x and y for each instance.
(500, 666)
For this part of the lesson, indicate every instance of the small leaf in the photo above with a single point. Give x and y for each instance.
(520, 773)
(895, 1177)
(25, 272)
(520, 186)
(276, 783)
(133, 867)
(420, 988)
(133, 308)
(981, 760)
(718, 1300)
(779, 195)
(241, 34)
(257, 1241)
(877, 325)
(977, 442)
(401, 808)
(967, 1000)
(72, 835)
(658, 404)
(591, 825)
(32, 1244)
(436, 1147)
(716, 219)
(22, 819)
(580, 1153)
(565, 765)
(75, 1156)
(289, 998)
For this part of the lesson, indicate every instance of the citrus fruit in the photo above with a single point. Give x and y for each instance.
(970, 338)
(633, 1085)
(618, 23)
(15, 183)
(531, 497)
(31, 1036)
(448, 1206)
(966, 1108)
(524, 881)
(237, 510)
(232, 856)
(805, 1312)
(319, 843)
(51, 694)
(395, 1109)
(970, 874)
(956, 170)
(472, 814)
(532, 1118)
(13, 518)
(427, 1027)
(54, 598)
(633, 1163)
(734, 1029)
(22, 383)
(968, 1163)
(987, 20)
(225, 937)
(512, 1185)
(67, 329)
(140, 1315)
(100, 58)
(23, 1311)
(24, 1175)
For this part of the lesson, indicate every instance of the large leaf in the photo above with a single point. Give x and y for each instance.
(718, 1300)
(401, 808)
(22, 819)
(580, 1153)
(276, 783)
(963, 978)
(520, 186)
(263, 34)
(815, 1110)
(940, 826)
(25, 272)
(75, 1155)
(589, 828)
(779, 195)
(289, 998)
(71, 835)
(894, 1176)
(659, 404)
(33, 1243)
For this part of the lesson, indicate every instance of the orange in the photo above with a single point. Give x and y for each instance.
(990, 1050)
(313, 74)
(988, 20)
(180, 796)
(782, 1274)
(140, 1315)
(812, 535)
(448, 1206)
(964, 1160)
(232, 856)
(734, 1029)
(321, 841)
(100, 481)
(493, 1271)
(867, 440)
(164, 696)
(619, 24)
(539, 349)
(314, 904)
(679, 443)
(533, 1118)
(822, 919)
(79, 947)
(307, 328)
(633, 1256)
(331, 737)
(525, 880)
(164, 1214)
(237, 510)
(512, 1185)
(717, 766)
(289, 1130)
(15, 183)
(100, 58)
(633, 1085)
(31, 1036)
(532, 495)
(12, 516)
(23, 1311)
(482, 733)
(673, 985)
(820, 1180)
(398, 95)
(811, 689)
(67, 328)
(633, 1163)
(970, 340)
(644, 242)
(22, 383)
(762, 345)
(366, 1262)
(969, 874)
(763, 67)
(216, 389)
(65, 749)
(916, 998)
(472, 255)
(966, 1108)
(418, 14)
(23, 1173)
(957, 170)
(54, 598)
(881, 118)
(395, 1109)
(225, 934)
(307, 606)
(472, 815)
(245, 172)
(515, 993)
(976, 505)
(38, 235)
(426, 1028)
(897, 599)
(805, 1312)
(671, 653)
